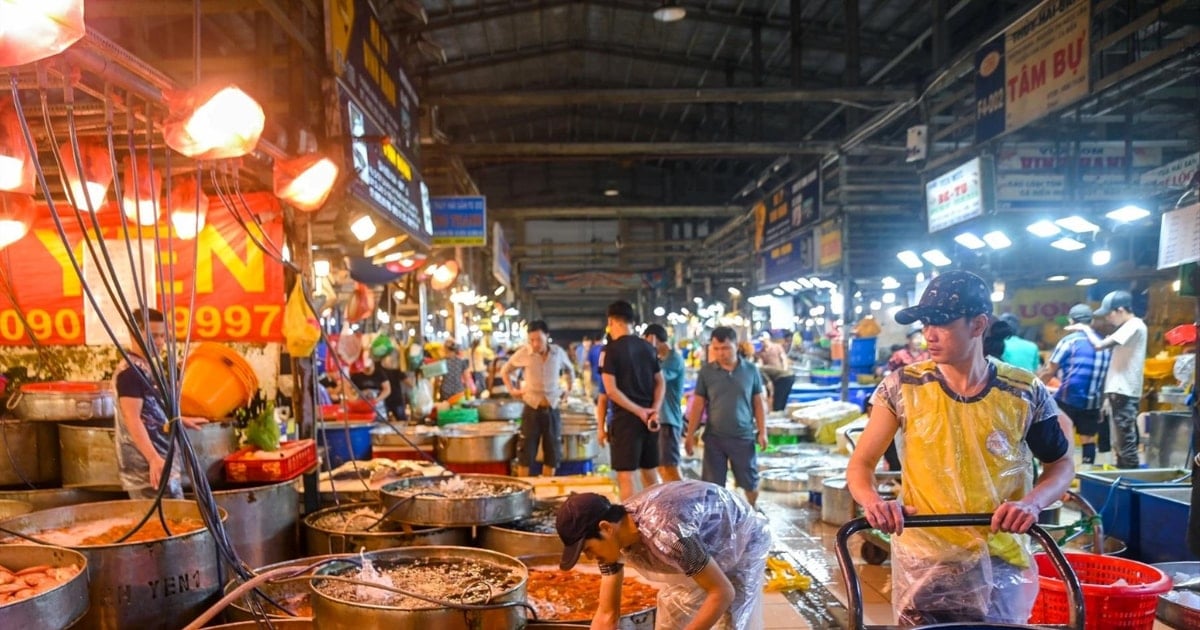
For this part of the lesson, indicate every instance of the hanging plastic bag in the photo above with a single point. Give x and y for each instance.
(349, 345)
(300, 325)
(381, 346)
(422, 398)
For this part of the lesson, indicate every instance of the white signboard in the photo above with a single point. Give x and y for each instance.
(1179, 237)
(955, 197)
(1046, 156)
(1177, 174)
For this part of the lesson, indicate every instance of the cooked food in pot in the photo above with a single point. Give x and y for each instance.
(575, 595)
(21, 584)
(448, 579)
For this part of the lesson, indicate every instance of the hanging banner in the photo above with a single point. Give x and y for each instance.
(806, 201)
(459, 221)
(378, 120)
(501, 256)
(1173, 176)
(239, 292)
(787, 261)
(1038, 65)
(829, 245)
(778, 226)
(1047, 156)
(593, 280)
(960, 195)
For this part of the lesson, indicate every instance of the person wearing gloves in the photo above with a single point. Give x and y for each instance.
(705, 545)
(971, 428)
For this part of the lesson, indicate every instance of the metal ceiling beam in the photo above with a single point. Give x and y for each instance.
(562, 98)
(283, 18)
(162, 8)
(615, 212)
(526, 248)
(632, 149)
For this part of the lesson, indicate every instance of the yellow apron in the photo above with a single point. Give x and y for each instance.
(965, 456)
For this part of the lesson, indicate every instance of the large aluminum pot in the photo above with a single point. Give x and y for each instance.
(403, 435)
(500, 408)
(1171, 613)
(837, 506)
(342, 529)
(423, 509)
(66, 400)
(476, 444)
(294, 595)
(337, 614)
(44, 499)
(28, 453)
(212, 443)
(635, 620)
(88, 452)
(14, 508)
(532, 536)
(161, 584)
(58, 607)
(263, 522)
(578, 444)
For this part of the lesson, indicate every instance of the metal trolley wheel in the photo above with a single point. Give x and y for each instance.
(873, 553)
(854, 587)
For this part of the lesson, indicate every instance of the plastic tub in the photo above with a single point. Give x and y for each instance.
(339, 450)
(1116, 502)
(216, 381)
(1162, 524)
(862, 352)
(581, 467)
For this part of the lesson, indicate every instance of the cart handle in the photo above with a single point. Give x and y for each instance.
(854, 587)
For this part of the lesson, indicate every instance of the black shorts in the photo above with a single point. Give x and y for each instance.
(1087, 421)
(632, 446)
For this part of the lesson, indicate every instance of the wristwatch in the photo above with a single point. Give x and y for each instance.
(611, 568)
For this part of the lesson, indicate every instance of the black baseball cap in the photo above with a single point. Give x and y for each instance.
(950, 296)
(579, 519)
(658, 331)
(1080, 314)
(1113, 301)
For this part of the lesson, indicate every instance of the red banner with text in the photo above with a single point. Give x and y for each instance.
(239, 292)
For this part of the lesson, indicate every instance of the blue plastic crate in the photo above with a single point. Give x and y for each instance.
(1162, 524)
(332, 437)
(862, 352)
(580, 467)
(1117, 503)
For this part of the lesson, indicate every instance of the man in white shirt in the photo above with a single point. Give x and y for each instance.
(1123, 385)
(541, 363)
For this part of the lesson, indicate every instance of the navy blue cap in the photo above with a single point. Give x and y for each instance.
(577, 520)
(950, 296)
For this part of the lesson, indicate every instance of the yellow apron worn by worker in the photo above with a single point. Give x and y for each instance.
(963, 455)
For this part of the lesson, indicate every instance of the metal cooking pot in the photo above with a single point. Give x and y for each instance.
(500, 408)
(511, 540)
(88, 452)
(59, 607)
(332, 613)
(578, 444)
(59, 497)
(65, 400)
(212, 442)
(321, 538)
(1175, 614)
(473, 444)
(239, 609)
(29, 453)
(263, 521)
(458, 512)
(14, 508)
(160, 584)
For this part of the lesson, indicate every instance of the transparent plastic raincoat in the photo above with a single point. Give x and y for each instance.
(685, 523)
(964, 455)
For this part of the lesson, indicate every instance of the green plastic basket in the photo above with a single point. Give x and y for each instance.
(457, 415)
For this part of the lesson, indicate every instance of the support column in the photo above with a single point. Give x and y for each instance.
(853, 58)
(941, 43)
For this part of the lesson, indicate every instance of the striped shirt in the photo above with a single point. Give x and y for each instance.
(1081, 370)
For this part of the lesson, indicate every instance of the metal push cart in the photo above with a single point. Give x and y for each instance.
(854, 587)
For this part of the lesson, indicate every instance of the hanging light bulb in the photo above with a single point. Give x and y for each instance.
(35, 29)
(444, 275)
(87, 190)
(189, 207)
(306, 181)
(363, 227)
(139, 196)
(16, 164)
(16, 216)
(213, 124)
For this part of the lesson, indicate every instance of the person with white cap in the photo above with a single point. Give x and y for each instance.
(969, 429)
(1123, 384)
(1081, 370)
(703, 543)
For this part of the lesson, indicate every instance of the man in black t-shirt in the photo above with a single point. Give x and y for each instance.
(373, 385)
(634, 384)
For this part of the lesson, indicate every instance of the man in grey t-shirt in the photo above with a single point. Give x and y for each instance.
(1123, 384)
(732, 391)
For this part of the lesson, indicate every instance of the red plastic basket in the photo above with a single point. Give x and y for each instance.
(1183, 335)
(1108, 607)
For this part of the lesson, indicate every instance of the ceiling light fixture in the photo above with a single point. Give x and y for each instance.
(34, 29)
(777, 292)
(499, 291)
(1068, 244)
(96, 178)
(1086, 282)
(659, 311)
(910, 259)
(381, 246)
(1077, 224)
(970, 241)
(16, 216)
(1056, 278)
(669, 11)
(1101, 256)
(1043, 228)
(363, 227)
(306, 181)
(212, 125)
(188, 206)
(936, 258)
(997, 239)
(735, 292)
(1129, 213)
(139, 196)
(612, 192)
(889, 283)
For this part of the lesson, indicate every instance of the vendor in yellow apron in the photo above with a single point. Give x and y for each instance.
(963, 455)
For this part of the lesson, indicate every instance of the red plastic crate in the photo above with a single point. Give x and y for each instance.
(349, 412)
(1184, 335)
(250, 464)
(492, 468)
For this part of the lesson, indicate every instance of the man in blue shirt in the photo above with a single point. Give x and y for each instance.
(593, 363)
(1081, 370)
(732, 390)
(670, 415)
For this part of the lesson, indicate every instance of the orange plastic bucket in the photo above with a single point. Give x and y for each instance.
(216, 380)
